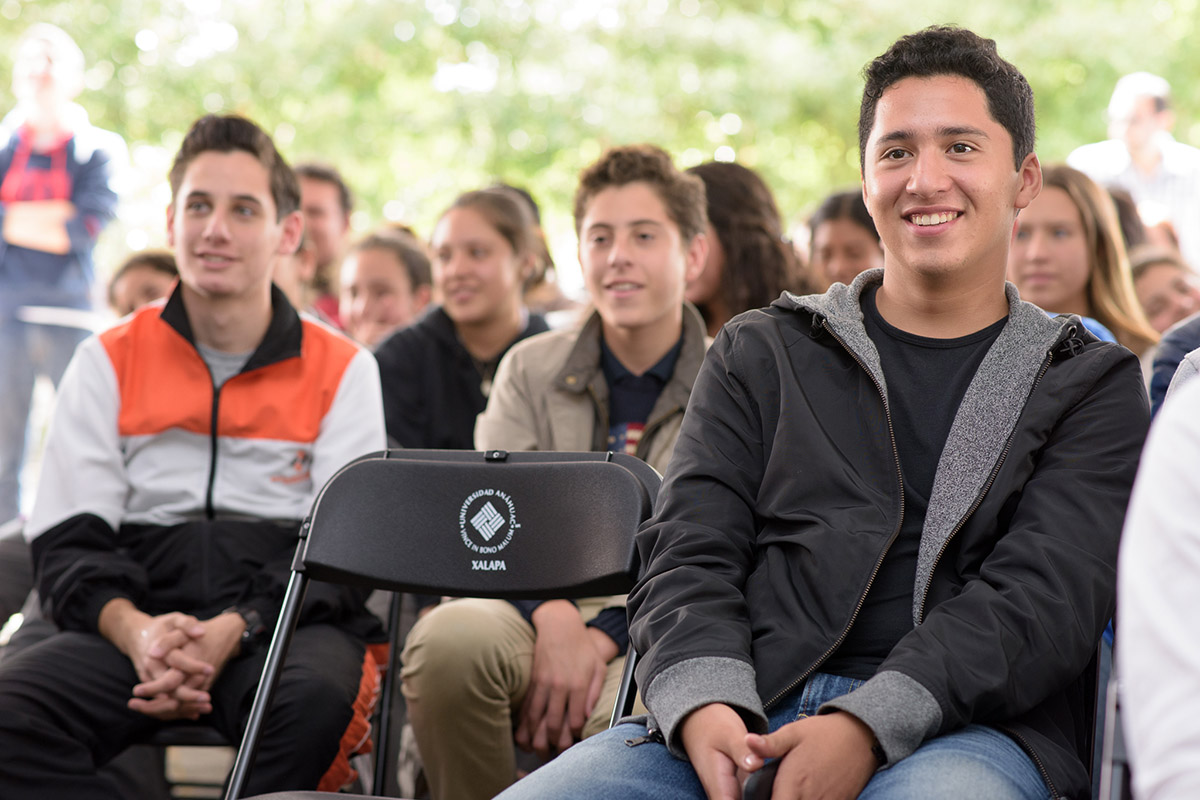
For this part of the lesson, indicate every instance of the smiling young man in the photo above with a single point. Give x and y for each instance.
(884, 549)
(475, 670)
(187, 443)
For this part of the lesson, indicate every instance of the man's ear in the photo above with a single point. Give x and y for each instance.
(695, 256)
(171, 224)
(293, 229)
(862, 182)
(421, 297)
(1030, 175)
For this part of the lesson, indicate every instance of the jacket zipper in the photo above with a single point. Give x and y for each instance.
(1033, 755)
(979, 499)
(891, 540)
(602, 410)
(648, 431)
(209, 511)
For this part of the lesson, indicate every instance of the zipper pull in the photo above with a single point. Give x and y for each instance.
(652, 735)
(1072, 346)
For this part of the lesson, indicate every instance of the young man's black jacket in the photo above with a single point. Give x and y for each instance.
(784, 494)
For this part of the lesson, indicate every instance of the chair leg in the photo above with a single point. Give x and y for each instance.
(383, 738)
(627, 692)
(284, 628)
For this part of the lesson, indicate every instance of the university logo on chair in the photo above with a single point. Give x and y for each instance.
(486, 523)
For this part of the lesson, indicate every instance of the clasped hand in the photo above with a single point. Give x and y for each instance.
(826, 757)
(177, 657)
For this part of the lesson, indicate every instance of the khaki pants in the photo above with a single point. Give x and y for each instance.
(466, 669)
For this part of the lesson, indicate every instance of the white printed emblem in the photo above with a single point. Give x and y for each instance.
(487, 521)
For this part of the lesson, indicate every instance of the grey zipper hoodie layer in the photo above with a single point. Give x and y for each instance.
(788, 382)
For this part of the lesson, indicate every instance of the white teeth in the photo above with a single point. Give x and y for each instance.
(623, 287)
(933, 219)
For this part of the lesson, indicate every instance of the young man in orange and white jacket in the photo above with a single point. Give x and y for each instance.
(188, 442)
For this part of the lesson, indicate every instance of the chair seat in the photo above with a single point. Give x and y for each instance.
(187, 736)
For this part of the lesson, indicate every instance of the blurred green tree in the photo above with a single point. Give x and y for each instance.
(418, 100)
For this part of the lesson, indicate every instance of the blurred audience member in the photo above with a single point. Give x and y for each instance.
(749, 261)
(844, 240)
(1133, 230)
(1141, 156)
(543, 294)
(1179, 340)
(55, 197)
(1166, 288)
(294, 275)
(1067, 257)
(326, 202)
(438, 372)
(386, 284)
(142, 278)
(1159, 656)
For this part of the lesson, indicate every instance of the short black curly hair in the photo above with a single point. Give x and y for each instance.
(950, 50)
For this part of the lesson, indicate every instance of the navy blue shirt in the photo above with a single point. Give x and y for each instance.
(631, 397)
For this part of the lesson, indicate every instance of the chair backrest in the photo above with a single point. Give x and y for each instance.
(482, 524)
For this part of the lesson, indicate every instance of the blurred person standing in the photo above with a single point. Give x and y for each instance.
(56, 195)
(1142, 157)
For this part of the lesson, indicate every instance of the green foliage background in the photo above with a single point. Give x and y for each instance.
(417, 100)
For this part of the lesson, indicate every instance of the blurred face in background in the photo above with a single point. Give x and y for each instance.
(293, 273)
(138, 286)
(1138, 122)
(377, 295)
(1049, 259)
(842, 249)
(476, 273)
(324, 220)
(1167, 293)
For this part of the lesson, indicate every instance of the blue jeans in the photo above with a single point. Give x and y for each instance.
(976, 761)
(26, 351)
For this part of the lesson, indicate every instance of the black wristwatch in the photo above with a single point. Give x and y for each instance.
(255, 633)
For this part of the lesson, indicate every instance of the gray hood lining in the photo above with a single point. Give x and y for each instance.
(986, 417)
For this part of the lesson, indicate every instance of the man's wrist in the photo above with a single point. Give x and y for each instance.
(606, 648)
(119, 620)
(553, 613)
(254, 633)
(876, 749)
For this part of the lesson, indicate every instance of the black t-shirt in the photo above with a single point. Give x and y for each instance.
(926, 380)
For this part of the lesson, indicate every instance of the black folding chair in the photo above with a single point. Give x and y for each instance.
(467, 524)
